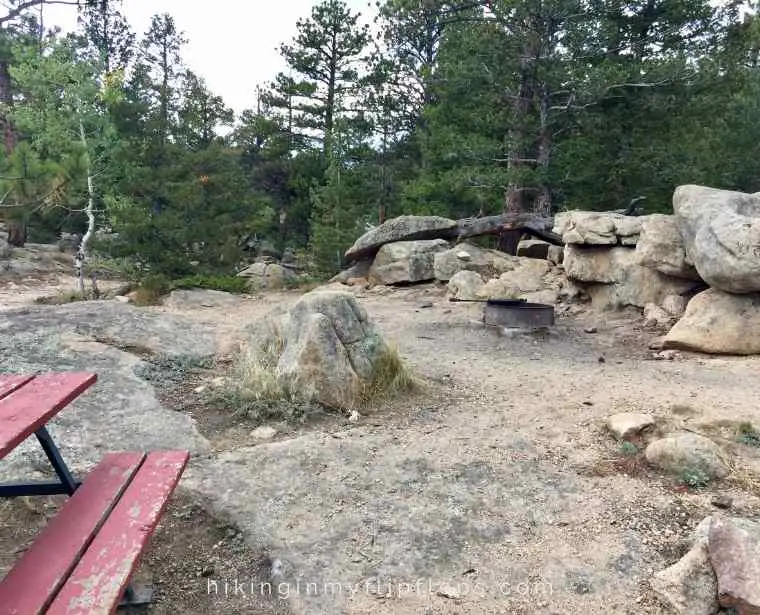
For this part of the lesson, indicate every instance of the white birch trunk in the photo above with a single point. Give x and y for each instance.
(81, 255)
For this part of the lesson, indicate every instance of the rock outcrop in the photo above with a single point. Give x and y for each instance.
(721, 235)
(660, 247)
(403, 228)
(614, 277)
(597, 228)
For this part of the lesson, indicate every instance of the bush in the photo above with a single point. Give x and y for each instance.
(225, 283)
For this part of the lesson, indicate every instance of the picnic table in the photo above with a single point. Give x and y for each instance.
(82, 561)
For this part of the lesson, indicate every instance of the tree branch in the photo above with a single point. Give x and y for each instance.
(15, 12)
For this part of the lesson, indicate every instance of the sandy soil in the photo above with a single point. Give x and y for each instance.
(554, 517)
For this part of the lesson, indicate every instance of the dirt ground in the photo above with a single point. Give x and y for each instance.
(535, 402)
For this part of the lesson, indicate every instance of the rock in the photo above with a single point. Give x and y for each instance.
(722, 501)
(330, 349)
(358, 270)
(721, 234)
(718, 323)
(549, 296)
(624, 425)
(403, 228)
(689, 586)
(614, 278)
(555, 254)
(360, 282)
(597, 228)
(264, 433)
(267, 276)
(688, 452)
(675, 305)
(406, 262)
(201, 298)
(533, 248)
(465, 285)
(734, 550)
(527, 277)
(121, 298)
(656, 317)
(488, 263)
(660, 247)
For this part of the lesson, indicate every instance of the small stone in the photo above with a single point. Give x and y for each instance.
(122, 299)
(590, 330)
(463, 255)
(354, 417)
(668, 355)
(723, 501)
(264, 433)
(426, 304)
(627, 424)
(448, 591)
(199, 389)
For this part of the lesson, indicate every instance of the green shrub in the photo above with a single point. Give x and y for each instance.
(748, 435)
(225, 283)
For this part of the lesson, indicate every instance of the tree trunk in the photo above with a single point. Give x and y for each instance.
(81, 255)
(17, 230)
(515, 196)
(17, 233)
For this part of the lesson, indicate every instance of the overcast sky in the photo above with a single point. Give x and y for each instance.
(232, 43)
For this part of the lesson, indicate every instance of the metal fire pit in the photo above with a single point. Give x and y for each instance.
(514, 313)
(517, 314)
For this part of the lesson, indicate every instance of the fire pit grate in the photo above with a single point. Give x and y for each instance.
(515, 313)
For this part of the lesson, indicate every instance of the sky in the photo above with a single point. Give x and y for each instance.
(232, 43)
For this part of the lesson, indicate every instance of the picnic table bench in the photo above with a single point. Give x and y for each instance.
(82, 561)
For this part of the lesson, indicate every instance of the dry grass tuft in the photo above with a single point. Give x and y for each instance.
(391, 377)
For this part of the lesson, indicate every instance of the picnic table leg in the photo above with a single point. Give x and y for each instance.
(136, 596)
(54, 456)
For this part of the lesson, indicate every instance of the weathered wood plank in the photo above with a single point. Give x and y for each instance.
(11, 382)
(32, 584)
(30, 407)
(98, 581)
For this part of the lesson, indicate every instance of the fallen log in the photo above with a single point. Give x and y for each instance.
(530, 224)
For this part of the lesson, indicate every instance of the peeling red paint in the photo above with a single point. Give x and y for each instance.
(31, 404)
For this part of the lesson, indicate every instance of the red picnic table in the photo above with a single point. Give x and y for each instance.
(82, 561)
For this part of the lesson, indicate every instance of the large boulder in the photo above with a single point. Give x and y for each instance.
(405, 262)
(721, 233)
(330, 349)
(614, 278)
(403, 228)
(533, 248)
(467, 257)
(465, 285)
(267, 276)
(661, 247)
(734, 548)
(718, 323)
(597, 228)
